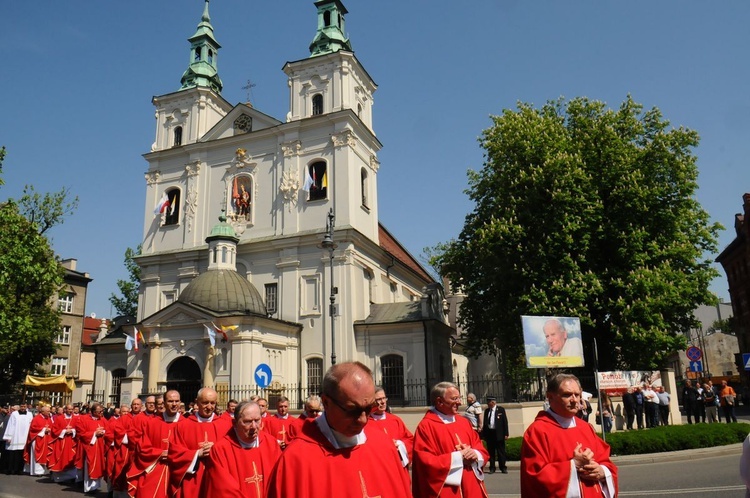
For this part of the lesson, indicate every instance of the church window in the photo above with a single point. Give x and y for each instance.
(210, 56)
(243, 124)
(178, 136)
(363, 186)
(318, 187)
(359, 111)
(272, 296)
(172, 211)
(197, 54)
(314, 376)
(242, 198)
(392, 366)
(327, 18)
(317, 104)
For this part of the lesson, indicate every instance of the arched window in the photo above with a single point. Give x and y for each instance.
(178, 136)
(197, 54)
(314, 376)
(393, 377)
(363, 186)
(172, 211)
(210, 56)
(359, 111)
(327, 18)
(317, 104)
(370, 283)
(317, 182)
(242, 198)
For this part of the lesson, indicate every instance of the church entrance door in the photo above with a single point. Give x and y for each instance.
(184, 376)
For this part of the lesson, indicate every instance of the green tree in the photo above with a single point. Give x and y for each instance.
(128, 303)
(584, 211)
(30, 280)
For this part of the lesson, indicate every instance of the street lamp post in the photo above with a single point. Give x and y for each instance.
(328, 244)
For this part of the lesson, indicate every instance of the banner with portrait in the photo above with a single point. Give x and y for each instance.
(618, 382)
(552, 341)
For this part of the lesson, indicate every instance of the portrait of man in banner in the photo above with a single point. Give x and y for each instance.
(552, 342)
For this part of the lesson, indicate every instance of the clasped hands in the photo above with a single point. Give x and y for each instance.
(588, 469)
(468, 454)
(205, 448)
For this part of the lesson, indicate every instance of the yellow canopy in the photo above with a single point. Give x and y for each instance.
(57, 384)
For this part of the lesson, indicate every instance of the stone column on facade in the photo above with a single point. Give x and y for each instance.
(208, 371)
(154, 361)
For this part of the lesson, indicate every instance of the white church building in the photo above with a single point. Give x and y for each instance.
(263, 227)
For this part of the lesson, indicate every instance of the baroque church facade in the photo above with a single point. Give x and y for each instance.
(268, 230)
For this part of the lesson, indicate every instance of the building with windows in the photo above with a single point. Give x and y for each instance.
(72, 304)
(735, 259)
(298, 271)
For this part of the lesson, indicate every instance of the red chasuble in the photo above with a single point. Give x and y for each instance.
(434, 442)
(187, 439)
(63, 454)
(148, 476)
(39, 439)
(234, 471)
(120, 455)
(94, 454)
(311, 467)
(396, 429)
(279, 427)
(546, 453)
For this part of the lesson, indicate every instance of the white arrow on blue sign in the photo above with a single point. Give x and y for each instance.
(263, 375)
(696, 366)
(746, 360)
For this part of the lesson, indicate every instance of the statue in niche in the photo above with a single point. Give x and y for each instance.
(241, 198)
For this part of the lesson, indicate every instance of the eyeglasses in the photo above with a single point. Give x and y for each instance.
(355, 411)
(381, 400)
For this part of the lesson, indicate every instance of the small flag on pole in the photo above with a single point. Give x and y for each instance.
(308, 180)
(211, 334)
(129, 342)
(223, 330)
(162, 205)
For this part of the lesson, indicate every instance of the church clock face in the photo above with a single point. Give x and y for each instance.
(244, 123)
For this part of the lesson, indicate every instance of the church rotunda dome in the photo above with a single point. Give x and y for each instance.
(222, 291)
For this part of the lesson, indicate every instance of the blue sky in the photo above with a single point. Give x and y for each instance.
(78, 77)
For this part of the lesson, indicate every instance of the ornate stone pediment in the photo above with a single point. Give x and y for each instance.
(289, 188)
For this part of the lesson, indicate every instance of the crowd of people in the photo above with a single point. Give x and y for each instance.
(346, 443)
(708, 403)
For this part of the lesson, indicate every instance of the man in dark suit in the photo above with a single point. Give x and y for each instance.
(494, 433)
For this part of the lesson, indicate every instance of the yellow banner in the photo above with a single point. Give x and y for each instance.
(555, 361)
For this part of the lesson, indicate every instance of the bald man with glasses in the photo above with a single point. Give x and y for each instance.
(340, 453)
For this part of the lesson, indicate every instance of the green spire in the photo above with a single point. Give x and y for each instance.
(203, 68)
(330, 35)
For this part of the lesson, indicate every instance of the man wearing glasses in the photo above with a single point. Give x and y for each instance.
(339, 453)
(448, 454)
(393, 426)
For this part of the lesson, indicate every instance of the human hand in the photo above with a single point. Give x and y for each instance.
(582, 456)
(592, 472)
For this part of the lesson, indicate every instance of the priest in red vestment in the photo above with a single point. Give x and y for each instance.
(64, 446)
(560, 455)
(120, 456)
(91, 428)
(339, 454)
(313, 409)
(229, 412)
(148, 476)
(278, 425)
(393, 426)
(193, 440)
(241, 462)
(36, 451)
(448, 454)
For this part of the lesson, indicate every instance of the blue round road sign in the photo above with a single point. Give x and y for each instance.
(694, 353)
(263, 375)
